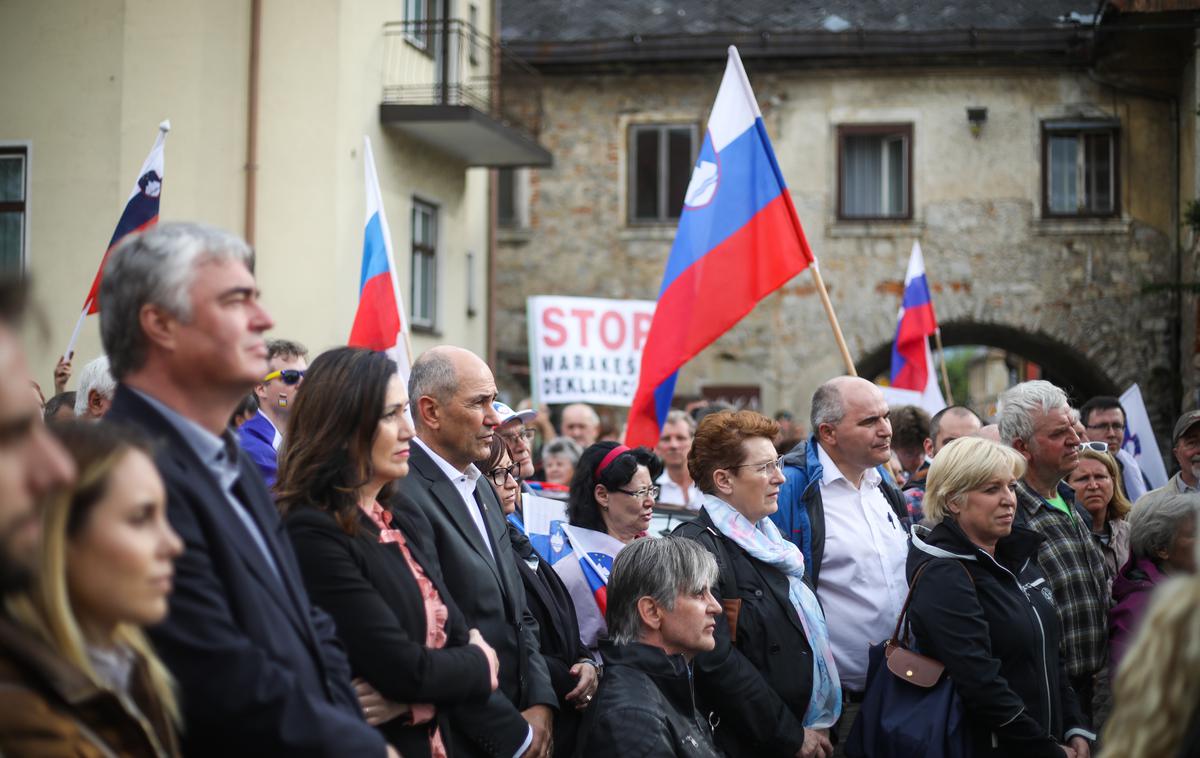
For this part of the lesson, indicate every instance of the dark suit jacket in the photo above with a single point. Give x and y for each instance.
(489, 592)
(259, 668)
(371, 593)
(558, 635)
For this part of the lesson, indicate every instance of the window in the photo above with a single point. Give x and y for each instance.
(660, 167)
(13, 183)
(473, 35)
(424, 264)
(1079, 168)
(512, 198)
(874, 171)
(419, 28)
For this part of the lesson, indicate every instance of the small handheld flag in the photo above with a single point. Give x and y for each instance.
(141, 212)
(739, 239)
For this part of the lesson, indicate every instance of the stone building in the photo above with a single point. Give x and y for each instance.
(1041, 153)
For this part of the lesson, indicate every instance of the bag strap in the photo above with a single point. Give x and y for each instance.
(695, 531)
(902, 620)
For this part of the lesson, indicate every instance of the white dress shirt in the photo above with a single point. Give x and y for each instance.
(862, 576)
(464, 482)
(672, 494)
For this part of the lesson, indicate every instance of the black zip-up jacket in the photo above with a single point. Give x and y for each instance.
(998, 634)
(759, 687)
(645, 707)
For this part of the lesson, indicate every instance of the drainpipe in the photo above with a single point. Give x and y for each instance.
(252, 120)
(493, 198)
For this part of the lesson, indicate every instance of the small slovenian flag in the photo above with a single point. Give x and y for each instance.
(141, 210)
(739, 239)
(586, 578)
(379, 323)
(912, 361)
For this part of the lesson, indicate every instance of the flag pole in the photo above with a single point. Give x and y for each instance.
(833, 321)
(75, 334)
(937, 338)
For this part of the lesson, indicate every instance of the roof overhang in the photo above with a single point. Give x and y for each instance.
(467, 134)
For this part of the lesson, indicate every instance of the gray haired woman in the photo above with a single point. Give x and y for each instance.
(559, 457)
(660, 614)
(1162, 542)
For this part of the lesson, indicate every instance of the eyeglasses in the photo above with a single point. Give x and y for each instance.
(1095, 447)
(500, 474)
(523, 434)
(763, 468)
(288, 376)
(645, 492)
(1112, 426)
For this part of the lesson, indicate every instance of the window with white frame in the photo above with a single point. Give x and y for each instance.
(1079, 168)
(874, 171)
(512, 198)
(419, 15)
(424, 264)
(14, 172)
(661, 158)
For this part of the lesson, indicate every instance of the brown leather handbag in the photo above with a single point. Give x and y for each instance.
(908, 666)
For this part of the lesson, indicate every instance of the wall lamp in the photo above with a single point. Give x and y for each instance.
(976, 117)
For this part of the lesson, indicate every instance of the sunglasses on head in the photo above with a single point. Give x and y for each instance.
(288, 376)
(1095, 447)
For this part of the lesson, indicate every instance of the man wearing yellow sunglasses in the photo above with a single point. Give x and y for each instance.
(263, 433)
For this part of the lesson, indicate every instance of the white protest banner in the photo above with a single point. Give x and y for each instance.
(1139, 437)
(585, 349)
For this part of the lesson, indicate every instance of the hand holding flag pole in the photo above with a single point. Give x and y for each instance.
(141, 213)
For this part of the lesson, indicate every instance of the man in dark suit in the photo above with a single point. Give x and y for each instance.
(259, 668)
(452, 391)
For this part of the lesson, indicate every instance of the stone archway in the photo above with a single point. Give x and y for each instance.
(1061, 363)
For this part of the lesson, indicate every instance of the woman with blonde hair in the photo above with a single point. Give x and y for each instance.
(981, 606)
(1095, 483)
(84, 680)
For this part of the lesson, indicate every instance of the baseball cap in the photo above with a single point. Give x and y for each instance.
(508, 414)
(1185, 422)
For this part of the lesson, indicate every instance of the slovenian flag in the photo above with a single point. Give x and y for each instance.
(379, 323)
(912, 361)
(141, 210)
(739, 239)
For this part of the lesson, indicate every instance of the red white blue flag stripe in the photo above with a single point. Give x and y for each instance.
(916, 323)
(739, 239)
(379, 322)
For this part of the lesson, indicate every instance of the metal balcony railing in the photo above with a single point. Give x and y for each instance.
(453, 63)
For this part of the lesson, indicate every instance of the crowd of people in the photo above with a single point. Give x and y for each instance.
(214, 546)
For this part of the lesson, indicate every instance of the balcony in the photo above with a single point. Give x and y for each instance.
(451, 87)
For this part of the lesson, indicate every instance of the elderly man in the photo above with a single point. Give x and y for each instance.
(661, 613)
(1185, 445)
(850, 523)
(262, 434)
(674, 442)
(452, 393)
(947, 425)
(95, 392)
(1035, 419)
(581, 423)
(1103, 418)
(259, 668)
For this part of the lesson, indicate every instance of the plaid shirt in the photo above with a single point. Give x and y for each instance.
(1075, 570)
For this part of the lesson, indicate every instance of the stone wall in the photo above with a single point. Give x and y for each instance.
(992, 261)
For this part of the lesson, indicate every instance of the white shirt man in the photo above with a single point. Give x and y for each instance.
(674, 443)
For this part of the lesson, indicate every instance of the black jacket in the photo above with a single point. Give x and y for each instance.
(760, 686)
(645, 707)
(558, 632)
(260, 669)
(998, 634)
(374, 598)
(485, 584)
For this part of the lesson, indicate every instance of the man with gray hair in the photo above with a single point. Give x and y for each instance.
(674, 443)
(1035, 420)
(661, 613)
(96, 388)
(452, 393)
(258, 667)
(850, 523)
(581, 423)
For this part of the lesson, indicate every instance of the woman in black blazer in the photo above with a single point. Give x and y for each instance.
(369, 567)
(573, 673)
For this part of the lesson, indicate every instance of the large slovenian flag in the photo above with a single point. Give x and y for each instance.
(739, 239)
(912, 362)
(379, 323)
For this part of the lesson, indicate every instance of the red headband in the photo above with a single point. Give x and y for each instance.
(613, 454)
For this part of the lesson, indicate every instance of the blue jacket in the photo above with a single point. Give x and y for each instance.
(801, 514)
(256, 436)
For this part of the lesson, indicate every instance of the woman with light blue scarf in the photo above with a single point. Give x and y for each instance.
(770, 685)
